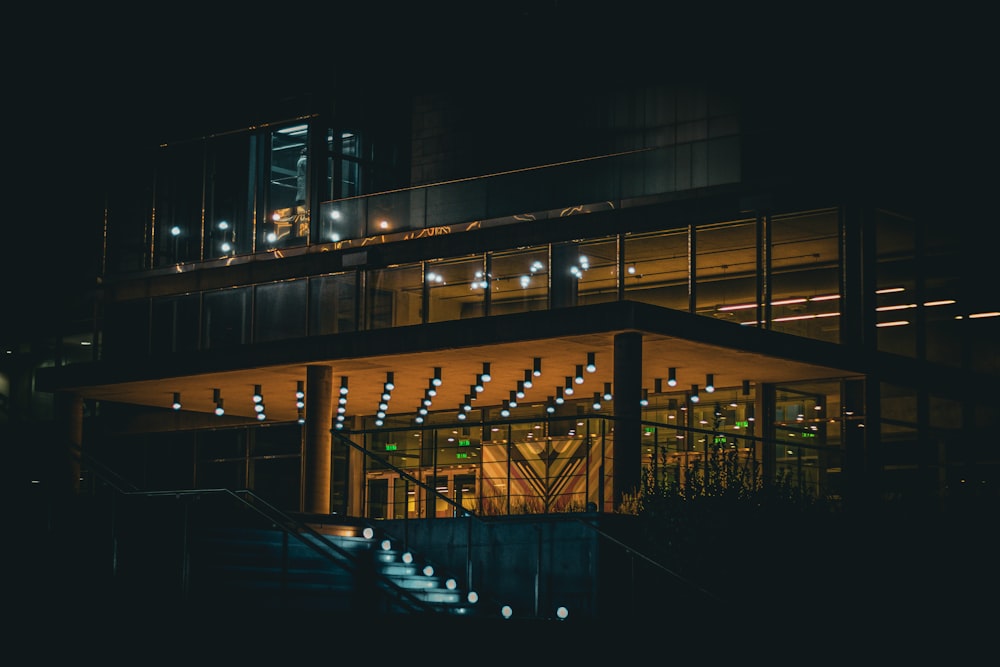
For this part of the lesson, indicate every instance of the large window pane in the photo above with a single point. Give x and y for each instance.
(805, 261)
(280, 310)
(333, 304)
(179, 180)
(228, 196)
(287, 191)
(226, 319)
(656, 268)
(726, 271)
(456, 289)
(598, 271)
(520, 280)
(896, 272)
(175, 323)
(342, 220)
(394, 297)
(390, 213)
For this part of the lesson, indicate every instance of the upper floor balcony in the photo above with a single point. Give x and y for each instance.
(257, 196)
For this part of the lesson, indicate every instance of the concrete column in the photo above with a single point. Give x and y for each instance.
(627, 388)
(356, 479)
(317, 467)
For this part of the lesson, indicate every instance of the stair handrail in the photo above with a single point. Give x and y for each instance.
(277, 517)
(106, 474)
(630, 550)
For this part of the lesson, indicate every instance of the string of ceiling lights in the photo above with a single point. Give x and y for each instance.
(514, 398)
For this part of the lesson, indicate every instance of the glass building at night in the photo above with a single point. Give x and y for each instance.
(427, 305)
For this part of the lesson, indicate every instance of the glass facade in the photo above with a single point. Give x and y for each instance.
(713, 270)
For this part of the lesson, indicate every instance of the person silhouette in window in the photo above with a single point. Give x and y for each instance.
(300, 178)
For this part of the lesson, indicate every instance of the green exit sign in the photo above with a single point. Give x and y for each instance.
(390, 446)
(807, 434)
(461, 455)
(743, 424)
(464, 443)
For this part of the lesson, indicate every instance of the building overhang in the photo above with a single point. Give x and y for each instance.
(561, 338)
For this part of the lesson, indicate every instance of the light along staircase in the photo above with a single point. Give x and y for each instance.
(332, 567)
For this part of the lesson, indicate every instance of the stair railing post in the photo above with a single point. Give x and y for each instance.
(538, 568)
(468, 551)
(185, 553)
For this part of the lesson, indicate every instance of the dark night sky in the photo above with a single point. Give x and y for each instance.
(105, 88)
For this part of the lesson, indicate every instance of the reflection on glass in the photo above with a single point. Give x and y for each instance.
(394, 297)
(227, 196)
(456, 289)
(805, 264)
(520, 280)
(333, 303)
(596, 271)
(656, 268)
(178, 205)
(280, 310)
(726, 270)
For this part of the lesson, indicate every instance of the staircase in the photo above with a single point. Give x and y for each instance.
(329, 568)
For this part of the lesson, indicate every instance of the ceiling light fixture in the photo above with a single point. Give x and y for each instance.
(710, 382)
(672, 377)
(176, 405)
(591, 362)
(537, 367)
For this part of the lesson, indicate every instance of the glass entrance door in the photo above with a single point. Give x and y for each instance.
(395, 497)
